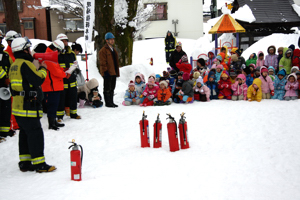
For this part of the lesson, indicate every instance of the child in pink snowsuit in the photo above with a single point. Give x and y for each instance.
(150, 93)
(239, 88)
(267, 86)
(291, 88)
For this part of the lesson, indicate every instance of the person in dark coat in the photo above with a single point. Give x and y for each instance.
(170, 42)
(212, 85)
(176, 56)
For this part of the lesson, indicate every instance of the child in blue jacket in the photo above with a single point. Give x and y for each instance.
(212, 85)
(131, 95)
(279, 85)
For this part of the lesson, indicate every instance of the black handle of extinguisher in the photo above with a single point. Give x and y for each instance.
(157, 120)
(173, 119)
(81, 154)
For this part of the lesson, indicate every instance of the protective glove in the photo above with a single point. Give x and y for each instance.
(272, 93)
(291, 86)
(144, 94)
(181, 92)
(141, 96)
(151, 96)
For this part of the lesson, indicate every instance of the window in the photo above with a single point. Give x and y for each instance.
(3, 27)
(28, 25)
(19, 6)
(159, 11)
(74, 24)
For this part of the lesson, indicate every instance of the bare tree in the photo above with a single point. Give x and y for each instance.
(11, 15)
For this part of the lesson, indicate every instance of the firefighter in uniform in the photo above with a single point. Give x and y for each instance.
(25, 83)
(66, 60)
(5, 104)
(170, 42)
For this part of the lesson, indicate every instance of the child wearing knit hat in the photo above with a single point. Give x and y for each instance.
(131, 95)
(164, 95)
(224, 86)
(239, 88)
(139, 84)
(201, 91)
(219, 72)
(291, 88)
(150, 93)
(267, 86)
(279, 84)
(186, 94)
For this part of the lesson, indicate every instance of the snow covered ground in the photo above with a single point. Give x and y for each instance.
(239, 150)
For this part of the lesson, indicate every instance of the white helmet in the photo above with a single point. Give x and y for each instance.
(62, 36)
(11, 35)
(19, 44)
(59, 45)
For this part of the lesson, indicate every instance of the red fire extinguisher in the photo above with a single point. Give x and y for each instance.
(172, 133)
(76, 161)
(151, 61)
(144, 131)
(157, 133)
(183, 132)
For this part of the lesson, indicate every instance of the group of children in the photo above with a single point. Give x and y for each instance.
(222, 77)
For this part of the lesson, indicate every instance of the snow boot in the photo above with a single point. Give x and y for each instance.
(44, 167)
(2, 139)
(67, 110)
(112, 99)
(107, 100)
(59, 124)
(81, 103)
(52, 125)
(26, 166)
(75, 116)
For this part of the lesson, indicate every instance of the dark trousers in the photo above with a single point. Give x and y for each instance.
(109, 84)
(31, 137)
(71, 99)
(52, 102)
(5, 114)
(168, 55)
(61, 105)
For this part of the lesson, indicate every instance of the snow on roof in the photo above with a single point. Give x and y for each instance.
(244, 14)
(296, 9)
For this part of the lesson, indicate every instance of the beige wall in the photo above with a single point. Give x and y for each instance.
(57, 26)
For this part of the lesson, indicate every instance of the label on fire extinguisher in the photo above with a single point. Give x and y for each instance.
(73, 164)
(76, 176)
(187, 135)
(148, 134)
(160, 135)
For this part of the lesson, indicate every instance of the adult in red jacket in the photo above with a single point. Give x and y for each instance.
(183, 65)
(296, 58)
(53, 85)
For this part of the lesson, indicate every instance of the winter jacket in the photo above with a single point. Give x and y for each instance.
(170, 42)
(252, 94)
(237, 65)
(218, 76)
(152, 91)
(239, 89)
(131, 95)
(109, 61)
(213, 86)
(252, 60)
(10, 53)
(260, 62)
(210, 61)
(55, 75)
(184, 67)
(285, 62)
(271, 59)
(266, 82)
(171, 80)
(249, 80)
(279, 86)
(202, 90)
(87, 87)
(226, 58)
(164, 95)
(224, 86)
(5, 64)
(140, 87)
(296, 58)
(223, 61)
(291, 88)
(177, 86)
(174, 58)
(187, 88)
(66, 61)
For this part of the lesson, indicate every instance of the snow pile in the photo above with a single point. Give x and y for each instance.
(296, 9)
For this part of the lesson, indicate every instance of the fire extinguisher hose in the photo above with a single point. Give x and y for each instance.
(184, 138)
(81, 154)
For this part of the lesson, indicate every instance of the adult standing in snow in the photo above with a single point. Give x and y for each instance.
(109, 69)
(170, 42)
(176, 56)
(25, 84)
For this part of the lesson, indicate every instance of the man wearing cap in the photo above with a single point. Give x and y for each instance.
(66, 60)
(170, 42)
(5, 104)
(109, 69)
(176, 56)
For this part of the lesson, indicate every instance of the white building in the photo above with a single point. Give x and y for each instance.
(189, 14)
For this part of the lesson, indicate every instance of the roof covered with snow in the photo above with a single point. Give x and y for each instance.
(272, 11)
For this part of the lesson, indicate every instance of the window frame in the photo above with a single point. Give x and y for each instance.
(18, 1)
(154, 16)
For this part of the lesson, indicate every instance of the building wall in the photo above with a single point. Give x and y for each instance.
(190, 20)
(58, 25)
(40, 31)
